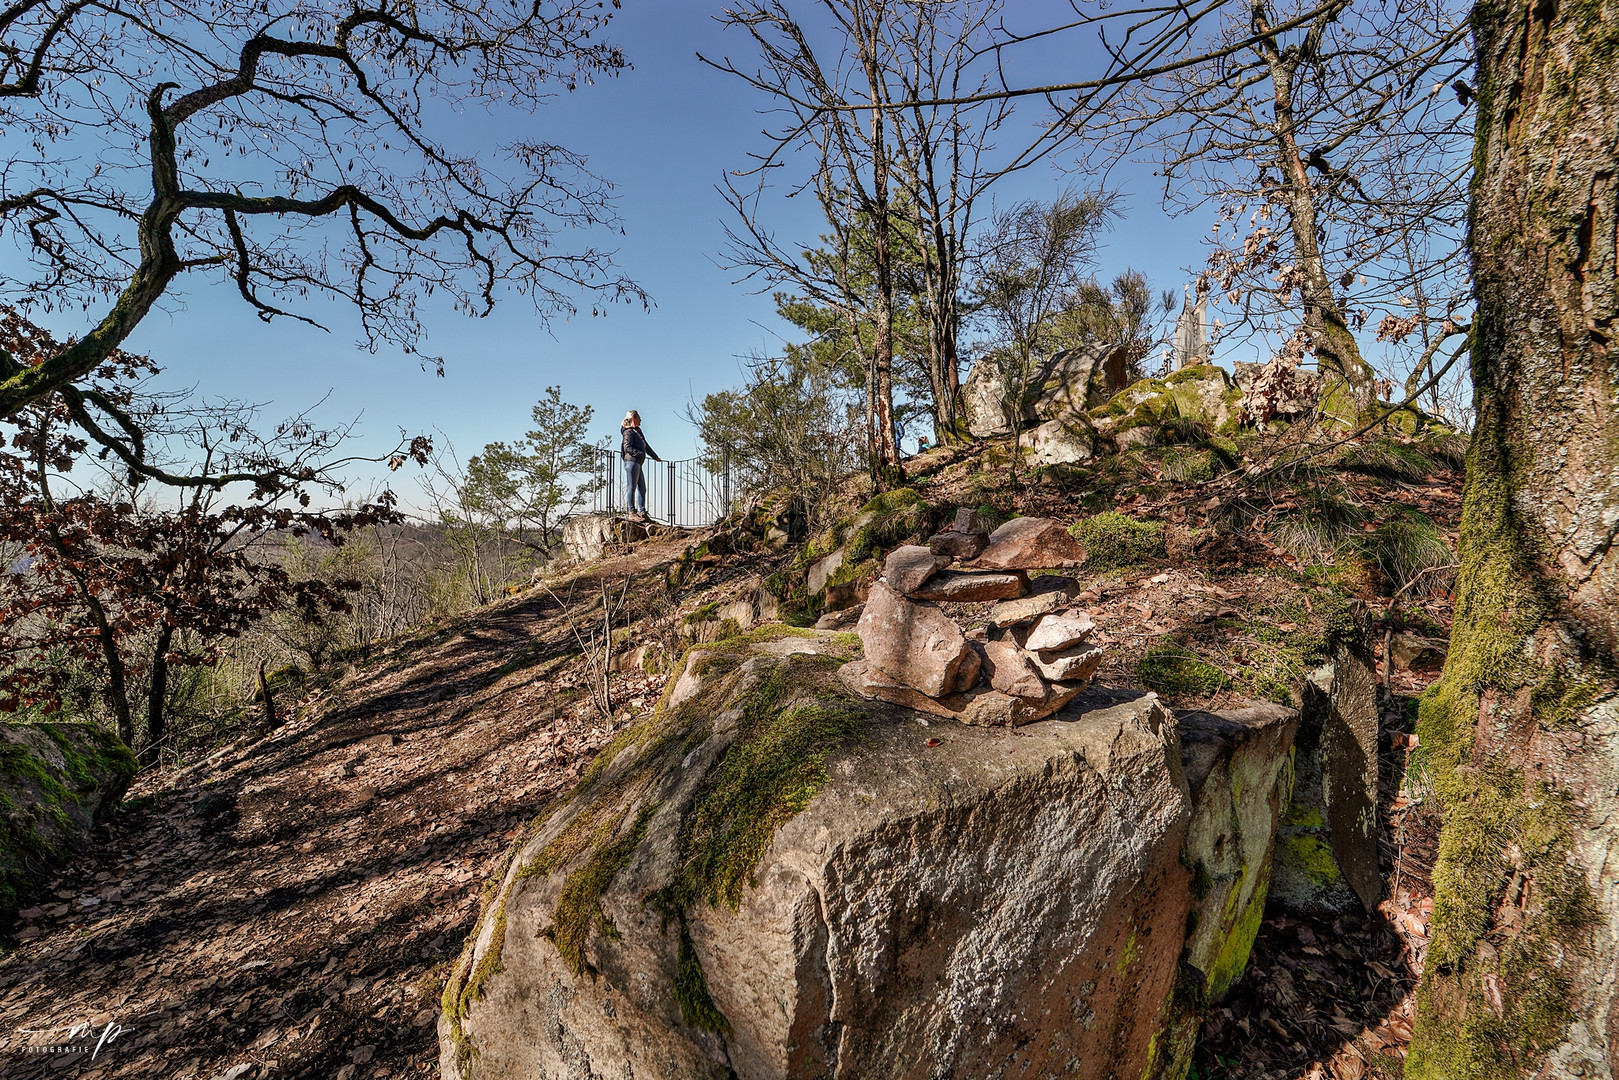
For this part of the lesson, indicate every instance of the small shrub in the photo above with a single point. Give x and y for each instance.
(1187, 465)
(1183, 430)
(1324, 523)
(1113, 540)
(992, 517)
(1409, 546)
(1388, 459)
(1447, 449)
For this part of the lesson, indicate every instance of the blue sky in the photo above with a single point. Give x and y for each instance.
(662, 133)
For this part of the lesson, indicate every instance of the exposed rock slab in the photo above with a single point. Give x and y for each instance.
(958, 545)
(822, 569)
(1237, 767)
(1031, 544)
(915, 644)
(1047, 593)
(1078, 663)
(966, 586)
(1327, 852)
(1059, 631)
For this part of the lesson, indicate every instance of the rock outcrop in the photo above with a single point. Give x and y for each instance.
(1066, 384)
(766, 880)
(56, 780)
(1203, 394)
(588, 536)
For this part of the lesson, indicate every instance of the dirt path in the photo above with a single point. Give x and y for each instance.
(288, 908)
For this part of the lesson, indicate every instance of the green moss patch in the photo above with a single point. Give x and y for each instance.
(1493, 998)
(579, 905)
(1177, 674)
(1113, 540)
(44, 794)
(769, 774)
(891, 518)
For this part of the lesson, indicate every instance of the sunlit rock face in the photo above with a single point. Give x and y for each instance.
(949, 901)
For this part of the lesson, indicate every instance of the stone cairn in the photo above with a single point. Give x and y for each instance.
(1030, 661)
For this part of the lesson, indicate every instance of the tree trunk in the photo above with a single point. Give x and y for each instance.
(1521, 736)
(157, 695)
(1349, 386)
(887, 447)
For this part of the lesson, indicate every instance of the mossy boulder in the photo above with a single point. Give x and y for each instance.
(56, 781)
(769, 879)
(1202, 395)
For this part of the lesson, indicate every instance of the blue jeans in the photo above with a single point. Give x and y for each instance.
(635, 485)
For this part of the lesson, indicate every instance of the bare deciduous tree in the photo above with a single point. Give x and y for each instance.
(286, 150)
(853, 176)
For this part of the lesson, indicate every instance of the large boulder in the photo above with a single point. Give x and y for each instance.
(1066, 384)
(1203, 394)
(762, 881)
(1238, 767)
(56, 781)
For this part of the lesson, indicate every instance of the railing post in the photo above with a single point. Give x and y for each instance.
(612, 478)
(672, 517)
(725, 482)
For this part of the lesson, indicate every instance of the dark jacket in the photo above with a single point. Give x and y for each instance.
(635, 447)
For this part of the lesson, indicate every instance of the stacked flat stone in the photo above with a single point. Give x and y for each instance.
(1032, 661)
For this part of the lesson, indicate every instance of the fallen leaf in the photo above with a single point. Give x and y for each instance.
(933, 742)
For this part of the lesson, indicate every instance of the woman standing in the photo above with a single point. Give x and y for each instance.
(635, 450)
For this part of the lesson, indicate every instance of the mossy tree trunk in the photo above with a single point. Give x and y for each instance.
(1521, 736)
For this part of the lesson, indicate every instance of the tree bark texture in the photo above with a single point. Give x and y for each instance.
(1521, 736)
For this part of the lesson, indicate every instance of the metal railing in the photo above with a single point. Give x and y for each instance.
(683, 493)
